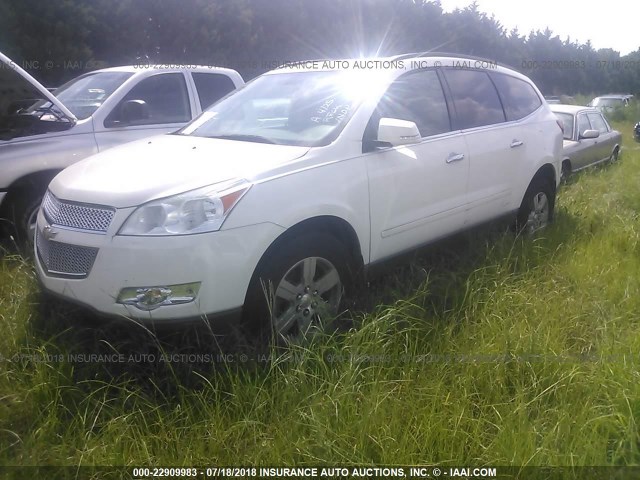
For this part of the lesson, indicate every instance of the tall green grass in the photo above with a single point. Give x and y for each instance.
(490, 350)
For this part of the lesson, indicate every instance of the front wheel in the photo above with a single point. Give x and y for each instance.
(536, 210)
(614, 156)
(298, 290)
(23, 213)
(565, 172)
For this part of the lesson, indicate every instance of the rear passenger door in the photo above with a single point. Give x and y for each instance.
(498, 141)
(418, 191)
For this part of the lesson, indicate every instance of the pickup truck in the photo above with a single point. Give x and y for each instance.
(49, 131)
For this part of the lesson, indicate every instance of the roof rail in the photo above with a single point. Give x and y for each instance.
(402, 56)
(442, 54)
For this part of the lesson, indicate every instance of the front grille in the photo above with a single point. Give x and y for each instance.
(62, 259)
(95, 218)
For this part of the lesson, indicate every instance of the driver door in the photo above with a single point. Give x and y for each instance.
(418, 191)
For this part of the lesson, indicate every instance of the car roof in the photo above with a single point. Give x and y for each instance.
(571, 109)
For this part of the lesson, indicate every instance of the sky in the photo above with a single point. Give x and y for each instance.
(611, 24)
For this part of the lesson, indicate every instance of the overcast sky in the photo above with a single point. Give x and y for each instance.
(611, 24)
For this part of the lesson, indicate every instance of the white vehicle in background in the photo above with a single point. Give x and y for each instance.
(272, 203)
(607, 103)
(87, 115)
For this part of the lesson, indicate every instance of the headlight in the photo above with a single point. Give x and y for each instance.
(197, 211)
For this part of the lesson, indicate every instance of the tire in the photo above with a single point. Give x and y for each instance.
(614, 156)
(298, 289)
(565, 172)
(23, 213)
(537, 208)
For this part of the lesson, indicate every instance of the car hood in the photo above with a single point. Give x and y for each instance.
(14, 78)
(157, 167)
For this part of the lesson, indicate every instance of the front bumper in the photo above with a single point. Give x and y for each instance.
(223, 262)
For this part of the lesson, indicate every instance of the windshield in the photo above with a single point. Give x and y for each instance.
(298, 108)
(83, 95)
(567, 125)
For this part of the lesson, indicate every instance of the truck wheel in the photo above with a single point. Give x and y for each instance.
(23, 213)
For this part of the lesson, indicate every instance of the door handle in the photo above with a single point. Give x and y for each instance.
(455, 157)
(516, 143)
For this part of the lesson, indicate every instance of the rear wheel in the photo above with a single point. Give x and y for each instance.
(536, 210)
(298, 290)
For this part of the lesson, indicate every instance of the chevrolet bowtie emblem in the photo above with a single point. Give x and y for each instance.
(48, 232)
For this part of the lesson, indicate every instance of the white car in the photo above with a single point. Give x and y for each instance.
(607, 103)
(269, 205)
(89, 114)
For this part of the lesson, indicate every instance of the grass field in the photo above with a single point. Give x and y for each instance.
(495, 350)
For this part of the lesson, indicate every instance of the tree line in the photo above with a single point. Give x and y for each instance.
(60, 39)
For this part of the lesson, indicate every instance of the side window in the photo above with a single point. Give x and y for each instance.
(518, 97)
(416, 97)
(598, 123)
(211, 87)
(475, 98)
(583, 124)
(157, 99)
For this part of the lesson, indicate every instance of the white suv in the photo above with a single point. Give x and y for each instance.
(280, 194)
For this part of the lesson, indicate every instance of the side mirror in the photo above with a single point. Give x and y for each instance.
(398, 132)
(590, 134)
(134, 111)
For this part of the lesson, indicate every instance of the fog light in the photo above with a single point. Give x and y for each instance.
(150, 298)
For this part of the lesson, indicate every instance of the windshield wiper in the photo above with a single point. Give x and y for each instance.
(245, 138)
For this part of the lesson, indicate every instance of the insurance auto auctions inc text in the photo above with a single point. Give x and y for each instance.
(372, 472)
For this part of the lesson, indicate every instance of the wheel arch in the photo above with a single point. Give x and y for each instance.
(27, 183)
(335, 226)
(33, 179)
(548, 172)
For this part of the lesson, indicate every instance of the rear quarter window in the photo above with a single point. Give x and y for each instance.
(518, 97)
